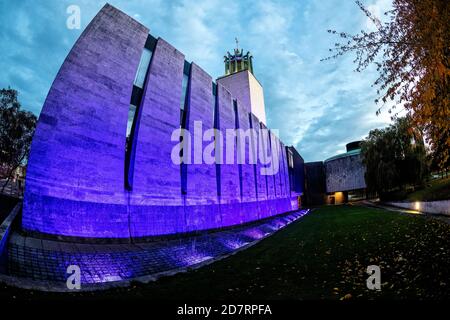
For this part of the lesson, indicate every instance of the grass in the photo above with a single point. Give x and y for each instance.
(438, 189)
(322, 256)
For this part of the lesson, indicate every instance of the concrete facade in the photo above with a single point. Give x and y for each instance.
(202, 204)
(269, 179)
(338, 179)
(156, 203)
(345, 173)
(296, 172)
(248, 183)
(229, 179)
(258, 107)
(315, 186)
(82, 124)
(261, 180)
(244, 86)
(75, 182)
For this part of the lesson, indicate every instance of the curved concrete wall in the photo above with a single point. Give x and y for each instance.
(202, 207)
(228, 173)
(344, 174)
(75, 174)
(261, 180)
(156, 203)
(75, 179)
(249, 206)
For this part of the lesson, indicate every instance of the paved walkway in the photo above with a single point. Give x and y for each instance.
(42, 264)
(372, 204)
(12, 189)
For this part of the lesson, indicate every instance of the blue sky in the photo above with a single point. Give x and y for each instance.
(317, 106)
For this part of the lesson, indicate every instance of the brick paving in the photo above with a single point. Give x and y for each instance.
(46, 261)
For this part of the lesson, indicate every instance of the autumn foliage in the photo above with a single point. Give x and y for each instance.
(412, 55)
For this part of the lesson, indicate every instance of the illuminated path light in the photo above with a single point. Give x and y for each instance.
(42, 264)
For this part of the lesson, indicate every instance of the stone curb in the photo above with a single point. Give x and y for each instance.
(431, 207)
(5, 229)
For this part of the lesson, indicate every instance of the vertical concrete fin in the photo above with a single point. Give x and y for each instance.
(229, 172)
(156, 202)
(75, 171)
(248, 179)
(202, 210)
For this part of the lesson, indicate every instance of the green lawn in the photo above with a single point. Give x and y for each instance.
(322, 256)
(438, 189)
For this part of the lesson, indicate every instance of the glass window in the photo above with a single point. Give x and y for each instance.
(131, 113)
(181, 118)
(291, 159)
(214, 106)
(184, 90)
(143, 67)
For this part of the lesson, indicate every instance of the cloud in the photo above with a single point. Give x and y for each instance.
(317, 106)
(310, 101)
(377, 9)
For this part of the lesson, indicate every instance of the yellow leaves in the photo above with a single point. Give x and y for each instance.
(348, 296)
(399, 259)
(415, 63)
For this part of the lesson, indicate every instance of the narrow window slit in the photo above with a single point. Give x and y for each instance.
(134, 109)
(216, 126)
(237, 145)
(184, 122)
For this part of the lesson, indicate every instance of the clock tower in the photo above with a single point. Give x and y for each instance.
(239, 79)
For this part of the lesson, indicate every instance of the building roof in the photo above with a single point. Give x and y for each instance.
(343, 155)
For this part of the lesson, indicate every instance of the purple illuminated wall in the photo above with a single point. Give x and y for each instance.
(269, 178)
(75, 173)
(230, 190)
(261, 187)
(284, 179)
(249, 207)
(202, 207)
(156, 204)
(75, 177)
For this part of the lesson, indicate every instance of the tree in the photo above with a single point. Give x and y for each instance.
(394, 157)
(439, 158)
(16, 131)
(412, 55)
